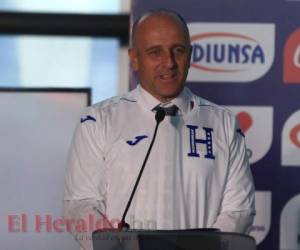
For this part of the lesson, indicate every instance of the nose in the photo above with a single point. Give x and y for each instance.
(169, 59)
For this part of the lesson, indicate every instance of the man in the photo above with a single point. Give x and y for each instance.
(197, 174)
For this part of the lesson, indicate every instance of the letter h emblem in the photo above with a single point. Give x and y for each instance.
(207, 141)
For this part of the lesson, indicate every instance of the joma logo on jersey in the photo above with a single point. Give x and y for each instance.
(207, 141)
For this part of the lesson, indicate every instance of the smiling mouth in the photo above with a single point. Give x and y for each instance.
(168, 77)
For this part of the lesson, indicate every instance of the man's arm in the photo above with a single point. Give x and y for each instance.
(237, 207)
(82, 217)
(85, 182)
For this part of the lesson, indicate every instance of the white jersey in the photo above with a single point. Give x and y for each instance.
(197, 171)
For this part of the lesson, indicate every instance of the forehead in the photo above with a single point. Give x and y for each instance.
(163, 27)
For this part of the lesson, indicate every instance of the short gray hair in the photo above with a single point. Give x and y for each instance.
(155, 12)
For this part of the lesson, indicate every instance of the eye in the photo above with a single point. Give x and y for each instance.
(154, 52)
(179, 50)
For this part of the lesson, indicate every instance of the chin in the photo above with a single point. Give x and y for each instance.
(172, 91)
(170, 94)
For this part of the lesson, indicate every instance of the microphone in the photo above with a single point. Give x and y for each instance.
(159, 116)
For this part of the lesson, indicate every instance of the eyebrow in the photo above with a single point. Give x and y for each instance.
(181, 45)
(160, 46)
(153, 47)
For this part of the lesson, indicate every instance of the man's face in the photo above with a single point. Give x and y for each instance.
(161, 56)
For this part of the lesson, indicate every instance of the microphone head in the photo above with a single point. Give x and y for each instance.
(160, 115)
(122, 225)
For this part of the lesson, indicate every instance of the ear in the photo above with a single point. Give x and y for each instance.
(132, 53)
(190, 55)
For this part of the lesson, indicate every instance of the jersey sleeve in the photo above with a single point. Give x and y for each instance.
(237, 207)
(85, 185)
(85, 174)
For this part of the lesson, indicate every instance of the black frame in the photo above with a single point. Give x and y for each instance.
(32, 23)
(88, 91)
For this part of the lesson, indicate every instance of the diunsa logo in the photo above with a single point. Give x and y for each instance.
(231, 52)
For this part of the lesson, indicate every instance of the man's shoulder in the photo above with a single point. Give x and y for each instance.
(112, 107)
(113, 103)
(204, 104)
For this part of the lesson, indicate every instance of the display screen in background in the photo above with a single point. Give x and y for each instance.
(36, 130)
(53, 61)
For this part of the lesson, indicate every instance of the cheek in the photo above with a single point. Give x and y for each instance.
(150, 69)
(184, 62)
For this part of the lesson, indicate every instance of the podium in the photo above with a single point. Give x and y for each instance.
(191, 239)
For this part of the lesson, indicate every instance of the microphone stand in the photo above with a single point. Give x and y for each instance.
(159, 116)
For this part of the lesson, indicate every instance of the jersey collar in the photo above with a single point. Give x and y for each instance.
(149, 102)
